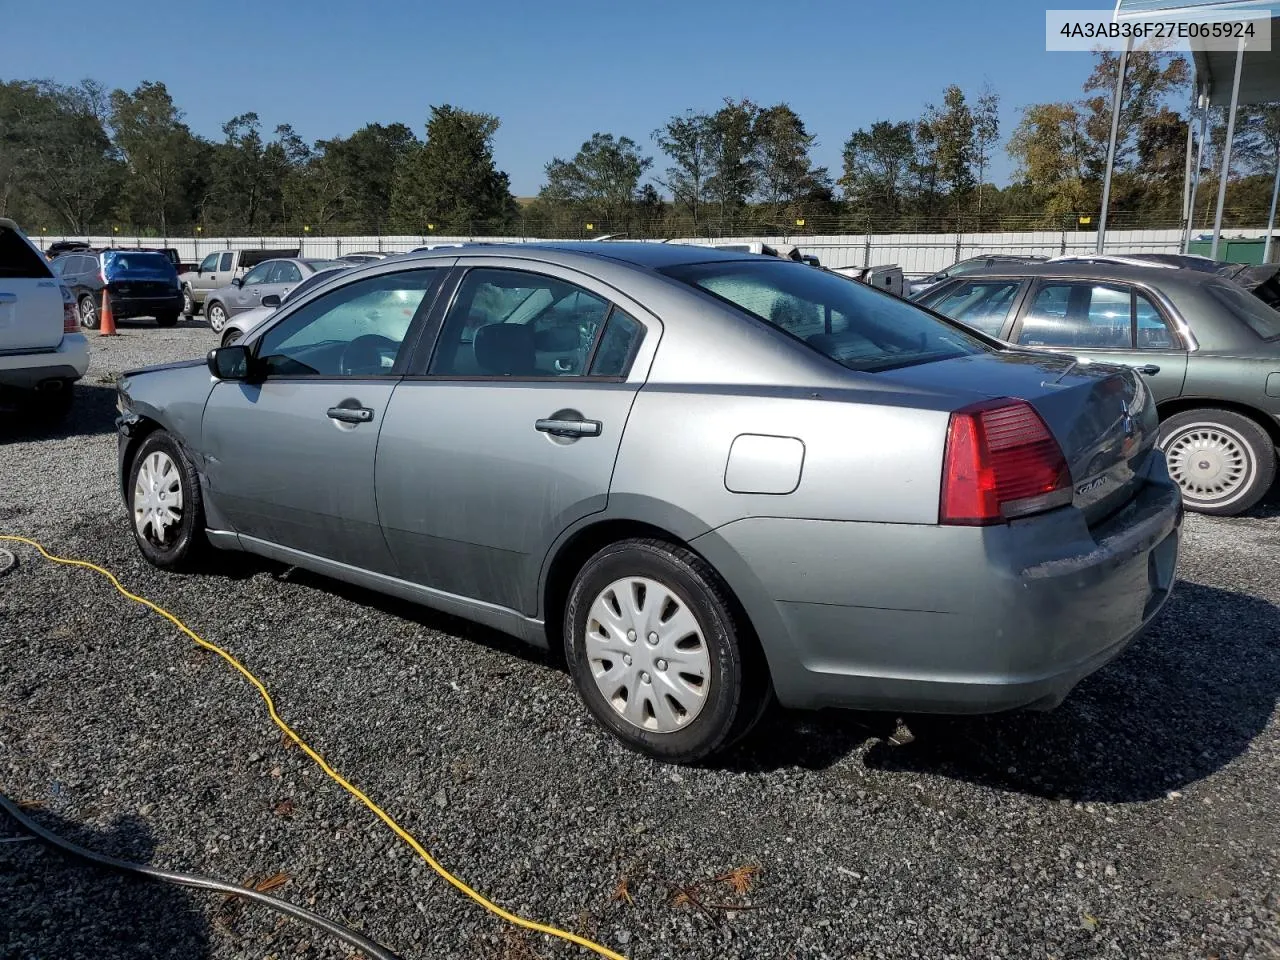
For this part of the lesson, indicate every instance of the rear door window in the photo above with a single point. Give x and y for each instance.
(982, 304)
(18, 260)
(1078, 316)
(1152, 331)
(285, 272)
(227, 258)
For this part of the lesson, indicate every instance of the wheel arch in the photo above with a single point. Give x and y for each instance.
(647, 519)
(1178, 405)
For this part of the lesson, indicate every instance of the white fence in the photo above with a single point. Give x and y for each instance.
(917, 254)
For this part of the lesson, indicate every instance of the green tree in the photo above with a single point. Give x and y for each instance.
(55, 157)
(686, 140)
(158, 149)
(1150, 78)
(451, 179)
(359, 173)
(948, 134)
(876, 164)
(603, 176)
(986, 134)
(734, 155)
(787, 176)
(1047, 148)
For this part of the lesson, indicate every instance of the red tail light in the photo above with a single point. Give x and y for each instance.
(1001, 462)
(70, 318)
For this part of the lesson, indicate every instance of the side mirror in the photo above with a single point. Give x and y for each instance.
(271, 300)
(237, 281)
(230, 363)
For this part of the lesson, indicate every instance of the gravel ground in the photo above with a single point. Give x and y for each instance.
(1137, 820)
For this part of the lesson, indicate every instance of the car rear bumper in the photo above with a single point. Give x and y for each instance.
(27, 370)
(949, 619)
(124, 307)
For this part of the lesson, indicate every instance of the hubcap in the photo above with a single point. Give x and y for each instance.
(88, 312)
(217, 317)
(1211, 463)
(157, 499)
(659, 683)
(187, 303)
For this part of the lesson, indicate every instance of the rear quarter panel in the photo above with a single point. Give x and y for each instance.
(1242, 380)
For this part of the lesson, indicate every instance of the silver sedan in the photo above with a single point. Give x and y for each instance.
(710, 478)
(271, 278)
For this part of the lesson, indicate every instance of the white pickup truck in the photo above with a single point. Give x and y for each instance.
(218, 269)
(42, 351)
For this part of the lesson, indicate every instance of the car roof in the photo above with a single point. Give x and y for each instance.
(1154, 274)
(636, 253)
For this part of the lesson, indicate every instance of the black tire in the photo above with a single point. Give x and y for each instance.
(90, 318)
(184, 546)
(188, 303)
(231, 336)
(168, 320)
(738, 678)
(1251, 453)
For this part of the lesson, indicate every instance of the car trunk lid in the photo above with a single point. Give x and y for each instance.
(31, 311)
(1102, 416)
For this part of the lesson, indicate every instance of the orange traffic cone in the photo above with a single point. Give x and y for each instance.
(108, 324)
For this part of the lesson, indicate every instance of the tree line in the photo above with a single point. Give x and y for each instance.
(77, 158)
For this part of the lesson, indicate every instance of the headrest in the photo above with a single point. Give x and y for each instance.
(505, 348)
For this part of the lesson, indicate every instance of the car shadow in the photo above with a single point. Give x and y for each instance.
(1185, 699)
(58, 906)
(93, 413)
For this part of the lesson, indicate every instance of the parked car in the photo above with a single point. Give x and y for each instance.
(141, 283)
(961, 267)
(365, 257)
(1208, 349)
(244, 323)
(59, 247)
(709, 476)
(271, 277)
(42, 351)
(216, 270)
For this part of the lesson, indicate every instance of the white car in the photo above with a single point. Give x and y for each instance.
(42, 351)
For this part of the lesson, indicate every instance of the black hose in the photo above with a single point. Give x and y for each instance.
(345, 934)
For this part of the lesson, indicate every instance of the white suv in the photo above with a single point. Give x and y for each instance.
(42, 351)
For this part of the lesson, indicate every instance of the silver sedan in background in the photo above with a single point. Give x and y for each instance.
(243, 323)
(269, 278)
(710, 478)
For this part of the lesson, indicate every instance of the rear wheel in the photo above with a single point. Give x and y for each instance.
(168, 320)
(165, 505)
(216, 314)
(51, 406)
(1223, 461)
(88, 312)
(188, 304)
(658, 653)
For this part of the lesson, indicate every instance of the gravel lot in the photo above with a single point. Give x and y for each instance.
(1138, 820)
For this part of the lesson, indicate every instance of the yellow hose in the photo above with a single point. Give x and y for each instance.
(355, 791)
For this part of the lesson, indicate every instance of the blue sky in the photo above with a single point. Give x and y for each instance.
(554, 71)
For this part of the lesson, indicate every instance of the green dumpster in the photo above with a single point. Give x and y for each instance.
(1235, 249)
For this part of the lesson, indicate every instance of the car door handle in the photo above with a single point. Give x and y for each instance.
(1150, 369)
(569, 428)
(350, 414)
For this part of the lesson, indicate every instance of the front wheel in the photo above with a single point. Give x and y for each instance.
(1223, 461)
(165, 505)
(188, 304)
(217, 316)
(231, 336)
(658, 653)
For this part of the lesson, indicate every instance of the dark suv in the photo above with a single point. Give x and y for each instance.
(141, 283)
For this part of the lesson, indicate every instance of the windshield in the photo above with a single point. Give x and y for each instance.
(1252, 312)
(312, 281)
(847, 321)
